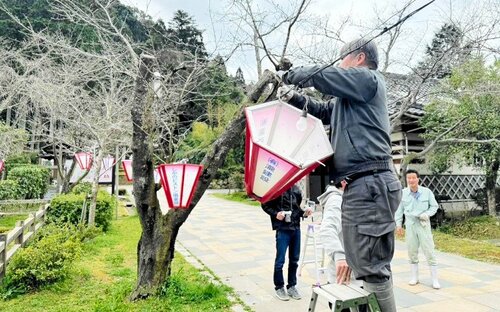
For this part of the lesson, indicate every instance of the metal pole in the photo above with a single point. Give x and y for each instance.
(116, 175)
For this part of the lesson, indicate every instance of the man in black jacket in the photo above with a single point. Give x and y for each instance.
(360, 138)
(285, 213)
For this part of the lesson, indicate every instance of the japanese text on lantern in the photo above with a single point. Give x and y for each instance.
(175, 185)
(269, 169)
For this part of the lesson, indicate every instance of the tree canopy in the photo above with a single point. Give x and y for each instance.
(465, 120)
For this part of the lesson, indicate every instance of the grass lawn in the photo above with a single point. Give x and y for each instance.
(469, 248)
(471, 238)
(240, 197)
(8, 222)
(104, 276)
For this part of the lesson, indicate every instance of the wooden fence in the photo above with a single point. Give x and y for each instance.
(21, 234)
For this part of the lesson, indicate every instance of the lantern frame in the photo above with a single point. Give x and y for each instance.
(84, 160)
(127, 168)
(182, 202)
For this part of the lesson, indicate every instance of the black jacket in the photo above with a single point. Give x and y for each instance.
(288, 201)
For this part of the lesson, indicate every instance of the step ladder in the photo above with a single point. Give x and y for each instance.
(318, 251)
(344, 297)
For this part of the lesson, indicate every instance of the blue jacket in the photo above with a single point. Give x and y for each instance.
(358, 117)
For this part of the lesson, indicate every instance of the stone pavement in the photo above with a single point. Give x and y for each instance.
(236, 242)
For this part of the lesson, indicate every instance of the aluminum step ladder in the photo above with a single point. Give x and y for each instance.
(344, 297)
(318, 251)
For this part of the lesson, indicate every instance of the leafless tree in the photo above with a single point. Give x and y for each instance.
(269, 27)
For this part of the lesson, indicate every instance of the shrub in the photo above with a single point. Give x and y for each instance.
(19, 160)
(44, 261)
(9, 189)
(68, 208)
(481, 198)
(33, 180)
(478, 228)
(82, 188)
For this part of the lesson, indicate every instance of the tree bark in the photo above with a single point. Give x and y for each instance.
(491, 181)
(156, 246)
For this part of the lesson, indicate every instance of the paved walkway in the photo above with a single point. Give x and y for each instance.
(237, 243)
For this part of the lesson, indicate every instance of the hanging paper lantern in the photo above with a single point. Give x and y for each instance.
(108, 162)
(127, 167)
(2, 163)
(179, 183)
(84, 160)
(106, 174)
(283, 144)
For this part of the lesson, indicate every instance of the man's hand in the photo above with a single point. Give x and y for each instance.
(285, 93)
(400, 231)
(343, 272)
(308, 212)
(280, 216)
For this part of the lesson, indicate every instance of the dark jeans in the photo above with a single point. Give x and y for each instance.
(286, 239)
(368, 208)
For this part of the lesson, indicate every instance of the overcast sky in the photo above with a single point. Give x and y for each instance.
(211, 17)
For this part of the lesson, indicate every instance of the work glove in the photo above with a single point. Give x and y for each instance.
(424, 219)
(280, 74)
(285, 93)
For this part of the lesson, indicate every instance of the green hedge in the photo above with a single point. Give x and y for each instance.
(9, 189)
(44, 261)
(82, 188)
(68, 208)
(19, 160)
(33, 180)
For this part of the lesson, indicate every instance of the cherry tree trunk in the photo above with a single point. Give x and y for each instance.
(156, 247)
(491, 182)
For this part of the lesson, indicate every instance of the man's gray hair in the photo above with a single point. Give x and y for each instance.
(362, 45)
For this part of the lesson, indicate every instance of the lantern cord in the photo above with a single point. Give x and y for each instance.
(384, 30)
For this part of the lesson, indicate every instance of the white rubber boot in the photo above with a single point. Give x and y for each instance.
(414, 274)
(434, 277)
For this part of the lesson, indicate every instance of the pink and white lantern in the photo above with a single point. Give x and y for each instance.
(179, 182)
(108, 162)
(282, 145)
(84, 160)
(127, 167)
(2, 164)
